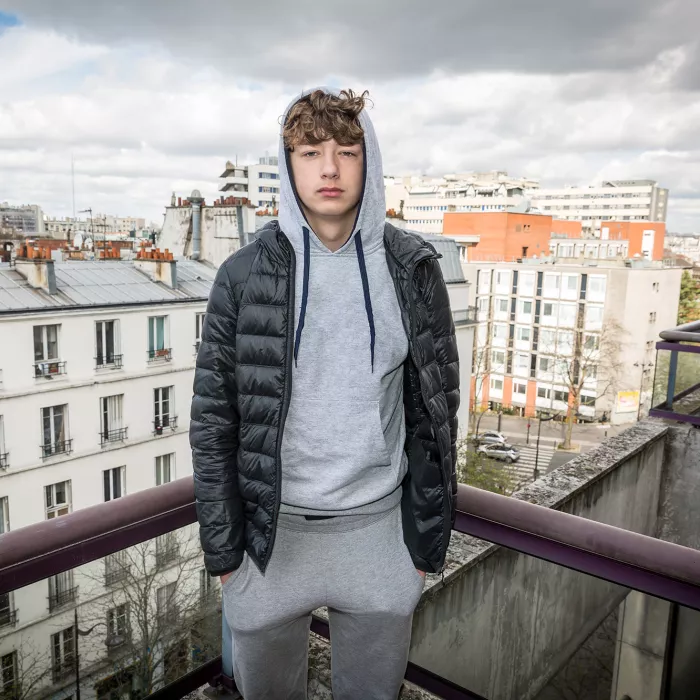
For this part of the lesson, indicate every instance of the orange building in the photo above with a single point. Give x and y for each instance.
(646, 238)
(507, 235)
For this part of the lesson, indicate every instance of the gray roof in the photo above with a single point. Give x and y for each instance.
(449, 262)
(102, 283)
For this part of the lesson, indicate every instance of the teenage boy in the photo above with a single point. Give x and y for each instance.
(324, 419)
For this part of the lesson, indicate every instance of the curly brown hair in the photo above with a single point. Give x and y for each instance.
(319, 117)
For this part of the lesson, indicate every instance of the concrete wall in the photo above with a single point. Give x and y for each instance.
(503, 623)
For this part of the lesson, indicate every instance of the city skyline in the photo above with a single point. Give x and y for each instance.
(570, 95)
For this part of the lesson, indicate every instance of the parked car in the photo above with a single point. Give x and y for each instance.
(489, 437)
(504, 453)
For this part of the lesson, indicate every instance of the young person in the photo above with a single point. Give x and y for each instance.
(324, 419)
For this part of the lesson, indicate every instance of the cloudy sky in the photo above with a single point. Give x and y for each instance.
(154, 96)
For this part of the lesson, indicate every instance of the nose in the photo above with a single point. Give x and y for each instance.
(329, 167)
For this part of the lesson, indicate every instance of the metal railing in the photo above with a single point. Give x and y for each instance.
(684, 406)
(61, 598)
(51, 449)
(166, 423)
(116, 435)
(463, 317)
(48, 369)
(163, 355)
(108, 361)
(656, 567)
(4, 460)
(8, 617)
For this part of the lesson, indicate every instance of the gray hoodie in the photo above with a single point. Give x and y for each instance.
(343, 441)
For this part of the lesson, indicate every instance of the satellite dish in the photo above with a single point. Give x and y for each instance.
(88, 243)
(78, 240)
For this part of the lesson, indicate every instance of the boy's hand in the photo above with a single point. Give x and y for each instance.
(422, 573)
(225, 576)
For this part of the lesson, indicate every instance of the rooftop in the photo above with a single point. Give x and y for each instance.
(82, 283)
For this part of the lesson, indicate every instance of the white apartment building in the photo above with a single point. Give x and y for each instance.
(96, 365)
(26, 220)
(424, 203)
(532, 315)
(260, 183)
(612, 200)
(99, 225)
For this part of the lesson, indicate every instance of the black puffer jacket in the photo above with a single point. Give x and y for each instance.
(242, 391)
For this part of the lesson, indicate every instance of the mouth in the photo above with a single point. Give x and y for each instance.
(330, 192)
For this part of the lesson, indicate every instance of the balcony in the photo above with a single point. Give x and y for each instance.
(108, 361)
(52, 449)
(163, 424)
(167, 551)
(48, 369)
(465, 317)
(62, 671)
(528, 578)
(4, 460)
(114, 435)
(163, 355)
(61, 598)
(8, 618)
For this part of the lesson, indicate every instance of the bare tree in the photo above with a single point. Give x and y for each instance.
(583, 360)
(159, 611)
(481, 367)
(28, 668)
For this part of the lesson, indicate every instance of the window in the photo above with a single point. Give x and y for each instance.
(198, 328)
(4, 515)
(523, 333)
(548, 309)
(570, 282)
(58, 499)
(551, 281)
(117, 624)
(9, 686)
(587, 400)
(165, 603)
(484, 281)
(596, 287)
(166, 549)
(500, 330)
(594, 316)
(522, 361)
(655, 286)
(526, 283)
(106, 344)
(543, 393)
(561, 396)
(652, 316)
(498, 357)
(165, 469)
(502, 305)
(591, 372)
(502, 278)
(567, 314)
(205, 587)
(61, 589)
(62, 652)
(111, 428)
(483, 304)
(114, 483)
(45, 343)
(519, 388)
(526, 307)
(116, 567)
(545, 364)
(162, 408)
(592, 342)
(55, 430)
(3, 454)
(158, 338)
(497, 384)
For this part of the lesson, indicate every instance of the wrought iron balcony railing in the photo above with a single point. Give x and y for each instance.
(50, 449)
(48, 369)
(4, 460)
(61, 598)
(108, 361)
(163, 355)
(8, 618)
(115, 435)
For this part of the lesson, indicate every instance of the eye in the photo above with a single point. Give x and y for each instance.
(309, 153)
(353, 154)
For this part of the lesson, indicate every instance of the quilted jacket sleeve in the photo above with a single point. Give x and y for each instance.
(214, 432)
(443, 328)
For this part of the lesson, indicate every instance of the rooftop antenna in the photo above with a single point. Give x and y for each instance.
(72, 172)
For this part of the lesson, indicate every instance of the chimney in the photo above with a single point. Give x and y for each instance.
(158, 265)
(37, 267)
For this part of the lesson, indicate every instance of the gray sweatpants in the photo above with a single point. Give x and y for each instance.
(357, 566)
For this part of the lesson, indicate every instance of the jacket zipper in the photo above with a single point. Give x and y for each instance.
(412, 317)
(286, 400)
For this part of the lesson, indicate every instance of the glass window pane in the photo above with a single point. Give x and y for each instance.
(109, 341)
(52, 342)
(98, 340)
(38, 343)
(151, 337)
(160, 332)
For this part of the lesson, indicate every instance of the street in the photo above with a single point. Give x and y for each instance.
(587, 435)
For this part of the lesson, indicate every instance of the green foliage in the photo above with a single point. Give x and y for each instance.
(477, 470)
(688, 306)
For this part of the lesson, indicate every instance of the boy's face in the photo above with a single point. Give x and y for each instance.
(328, 178)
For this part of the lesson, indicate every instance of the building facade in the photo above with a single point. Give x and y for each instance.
(26, 220)
(259, 183)
(95, 393)
(547, 327)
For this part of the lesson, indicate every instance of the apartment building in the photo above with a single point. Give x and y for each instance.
(25, 220)
(259, 183)
(99, 225)
(538, 317)
(96, 370)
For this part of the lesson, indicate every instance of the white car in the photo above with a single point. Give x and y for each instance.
(504, 453)
(490, 437)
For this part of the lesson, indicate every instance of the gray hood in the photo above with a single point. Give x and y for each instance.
(367, 234)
